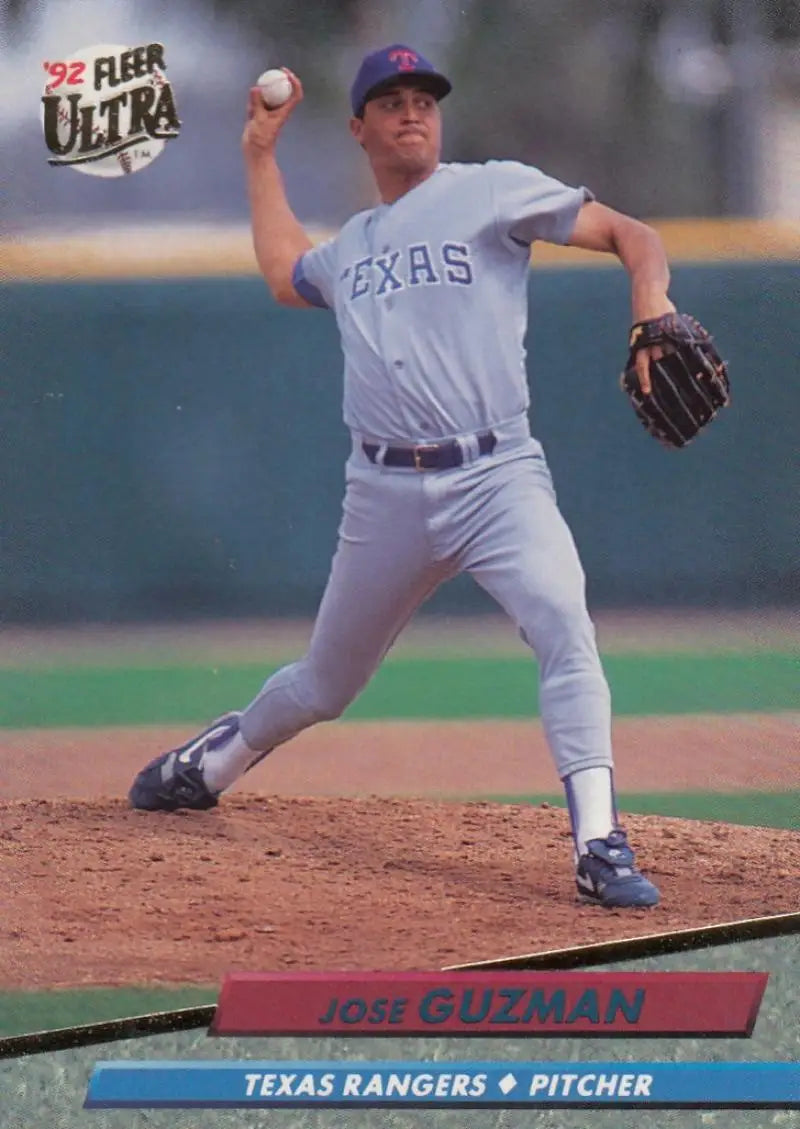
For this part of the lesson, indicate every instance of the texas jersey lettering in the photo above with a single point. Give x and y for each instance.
(416, 265)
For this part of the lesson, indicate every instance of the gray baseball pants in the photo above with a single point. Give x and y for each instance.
(404, 532)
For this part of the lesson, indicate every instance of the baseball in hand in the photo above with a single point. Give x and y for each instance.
(275, 88)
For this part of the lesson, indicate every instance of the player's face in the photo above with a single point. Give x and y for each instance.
(401, 128)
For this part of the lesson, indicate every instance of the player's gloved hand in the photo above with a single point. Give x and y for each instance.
(263, 125)
(649, 306)
(687, 379)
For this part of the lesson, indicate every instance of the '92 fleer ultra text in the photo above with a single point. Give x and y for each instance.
(108, 110)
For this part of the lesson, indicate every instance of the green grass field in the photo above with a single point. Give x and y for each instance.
(25, 1012)
(641, 684)
(748, 809)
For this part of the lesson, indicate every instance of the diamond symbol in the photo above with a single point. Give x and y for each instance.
(507, 1083)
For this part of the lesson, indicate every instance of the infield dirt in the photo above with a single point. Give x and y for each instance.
(342, 851)
(105, 895)
(277, 879)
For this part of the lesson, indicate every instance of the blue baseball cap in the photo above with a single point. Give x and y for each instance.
(385, 67)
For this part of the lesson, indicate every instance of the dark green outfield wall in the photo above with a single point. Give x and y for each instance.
(174, 448)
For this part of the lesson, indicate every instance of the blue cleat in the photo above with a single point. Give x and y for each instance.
(607, 875)
(175, 779)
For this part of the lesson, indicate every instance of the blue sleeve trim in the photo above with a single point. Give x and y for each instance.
(306, 289)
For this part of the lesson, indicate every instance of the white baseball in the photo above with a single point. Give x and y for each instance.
(275, 88)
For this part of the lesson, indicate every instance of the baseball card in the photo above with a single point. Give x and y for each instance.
(399, 563)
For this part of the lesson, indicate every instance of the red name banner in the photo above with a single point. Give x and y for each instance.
(489, 1003)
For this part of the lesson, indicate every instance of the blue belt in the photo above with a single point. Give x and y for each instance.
(429, 456)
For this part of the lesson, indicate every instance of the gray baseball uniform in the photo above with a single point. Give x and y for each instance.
(429, 290)
(430, 297)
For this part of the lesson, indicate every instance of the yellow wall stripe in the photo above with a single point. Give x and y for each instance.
(212, 252)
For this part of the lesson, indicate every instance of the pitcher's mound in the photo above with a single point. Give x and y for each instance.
(106, 895)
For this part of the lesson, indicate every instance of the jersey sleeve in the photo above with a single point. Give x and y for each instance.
(314, 274)
(530, 205)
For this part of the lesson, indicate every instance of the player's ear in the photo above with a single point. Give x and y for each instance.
(357, 128)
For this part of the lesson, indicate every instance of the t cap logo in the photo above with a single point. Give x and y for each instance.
(404, 60)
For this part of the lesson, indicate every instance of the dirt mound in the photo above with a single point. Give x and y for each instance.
(437, 759)
(106, 895)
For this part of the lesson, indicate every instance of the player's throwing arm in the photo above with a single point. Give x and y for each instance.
(278, 238)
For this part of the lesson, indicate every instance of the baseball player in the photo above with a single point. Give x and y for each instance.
(429, 291)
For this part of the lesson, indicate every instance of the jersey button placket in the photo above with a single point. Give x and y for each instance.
(383, 306)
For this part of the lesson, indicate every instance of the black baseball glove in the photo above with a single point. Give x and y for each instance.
(689, 384)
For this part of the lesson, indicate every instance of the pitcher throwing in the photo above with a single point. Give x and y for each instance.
(429, 291)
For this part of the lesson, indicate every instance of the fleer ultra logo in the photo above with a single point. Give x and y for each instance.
(108, 110)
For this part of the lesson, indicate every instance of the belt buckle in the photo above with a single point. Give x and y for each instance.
(418, 455)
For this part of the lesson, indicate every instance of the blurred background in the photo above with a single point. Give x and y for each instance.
(172, 440)
(668, 107)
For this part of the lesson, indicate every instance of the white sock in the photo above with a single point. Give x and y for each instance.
(223, 766)
(592, 810)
